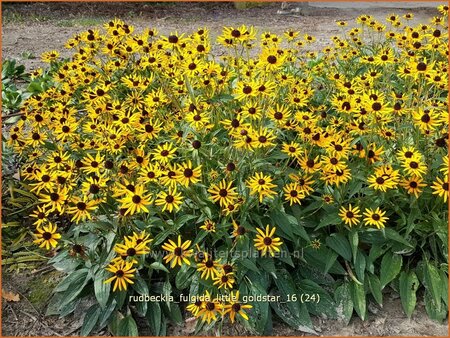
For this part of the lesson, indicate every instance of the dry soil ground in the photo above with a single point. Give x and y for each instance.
(32, 28)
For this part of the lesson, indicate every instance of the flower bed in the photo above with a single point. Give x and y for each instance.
(272, 181)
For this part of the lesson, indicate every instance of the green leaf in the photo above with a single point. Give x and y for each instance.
(330, 260)
(158, 266)
(281, 221)
(75, 287)
(340, 244)
(184, 277)
(360, 265)
(154, 317)
(101, 289)
(359, 299)
(344, 303)
(247, 263)
(267, 264)
(175, 314)
(329, 219)
(433, 284)
(140, 285)
(434, 311)
(292, 312)
(325, 305)
(260, 311)
(90, 320)
(375, 288)
(390, 267)
(71, 279)
(105, 314)
(395, 236)
(319, 258)
(127, 327)
(354, 241)
(408, 287)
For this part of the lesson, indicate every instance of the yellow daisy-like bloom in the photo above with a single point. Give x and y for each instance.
(350, 215)
(224, 280)
(195, 307)
(293, 193)
(208, 267)
(413, 185)
(164, 153)
(82, 208)
(131, 247)
(135, 201)
(209, 226)
(170, 200)
(414, 167)
(123, 273)
(375, 217)
(46, 236)
(50, 56)
(261, 184)
(235, 307)
(188, 174)
(440, 187)
(210, 310)
(178, 253)
(265, 242)
(55, 200)
(223, 193)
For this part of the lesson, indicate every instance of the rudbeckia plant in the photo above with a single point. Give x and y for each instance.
(246, 181)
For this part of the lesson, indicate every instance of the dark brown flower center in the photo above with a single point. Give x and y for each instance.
(267, 240)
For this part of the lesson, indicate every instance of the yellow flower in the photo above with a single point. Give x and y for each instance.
(350, 215)
(170, 200)
(223, 193)
(266, 243)
(261, 184)
(46, 236)
(178, 253)
(123, 273)
(234, 307)
(375, 217)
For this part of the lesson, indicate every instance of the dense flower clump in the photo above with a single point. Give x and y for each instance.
(149, 143)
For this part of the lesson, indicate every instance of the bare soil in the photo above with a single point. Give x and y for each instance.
(32, 28)
(29, 29)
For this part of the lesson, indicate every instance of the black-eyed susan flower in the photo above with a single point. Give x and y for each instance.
(55, 199)
(187, 174)
(375, 217)
(208, 267)
(178, 253)
(136, 201)
(164, 153)
(47, 236)
(262, 185)
(293, 193)
(440, 187)
(195, 307)
(170, 200)
(235, 307)
(223, 280)
(413, 185)
(131, 247)
(82, 208)
(223, 193)
(266, 243)
(123, 274)
(351, 215)
(211, 309)
(208, 226)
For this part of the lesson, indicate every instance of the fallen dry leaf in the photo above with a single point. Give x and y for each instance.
(10, 296)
